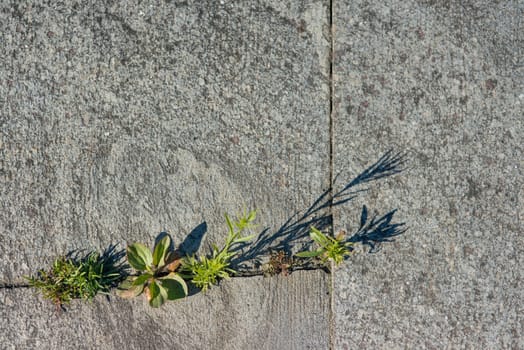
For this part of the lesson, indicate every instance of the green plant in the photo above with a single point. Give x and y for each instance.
(205, 271)
(156, 276)
(331, 249)
(71, 278)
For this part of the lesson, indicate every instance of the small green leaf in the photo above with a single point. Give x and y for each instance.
(160, 250)
(127, 283)
(252, 215)
(229, 224)
(244, 239)
(309, 254)
(175, 286)
(158, 294)
(142, 279)
(318, 236)
(178, 278)
(244, 220)
(139, 256)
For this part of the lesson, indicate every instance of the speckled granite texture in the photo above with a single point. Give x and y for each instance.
(444, 82)
(121, 119)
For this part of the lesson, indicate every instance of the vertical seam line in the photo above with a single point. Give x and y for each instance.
(331, 172)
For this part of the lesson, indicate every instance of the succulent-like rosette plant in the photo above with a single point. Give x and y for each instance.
(157, 277)
(330, 249)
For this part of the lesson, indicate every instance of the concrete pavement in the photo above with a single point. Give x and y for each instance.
(121, 120)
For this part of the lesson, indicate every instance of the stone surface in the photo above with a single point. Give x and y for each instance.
(121, 119)
(243, 313)
(442, 81)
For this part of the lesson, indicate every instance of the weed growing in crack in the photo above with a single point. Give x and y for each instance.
(330, 250)
(164, 274)
(156, 276)
(73, 278)
(206, 271)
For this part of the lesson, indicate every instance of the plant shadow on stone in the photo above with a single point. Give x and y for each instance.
(372, 231)
(192, 242)
(161, 274)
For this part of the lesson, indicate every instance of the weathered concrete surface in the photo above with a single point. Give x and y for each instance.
(443, 81)
(247, 313)
(119, 122)
(123, 119)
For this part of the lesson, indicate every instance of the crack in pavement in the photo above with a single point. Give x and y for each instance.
(331, 280)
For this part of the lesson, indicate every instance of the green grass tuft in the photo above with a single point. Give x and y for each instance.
(72, 278)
